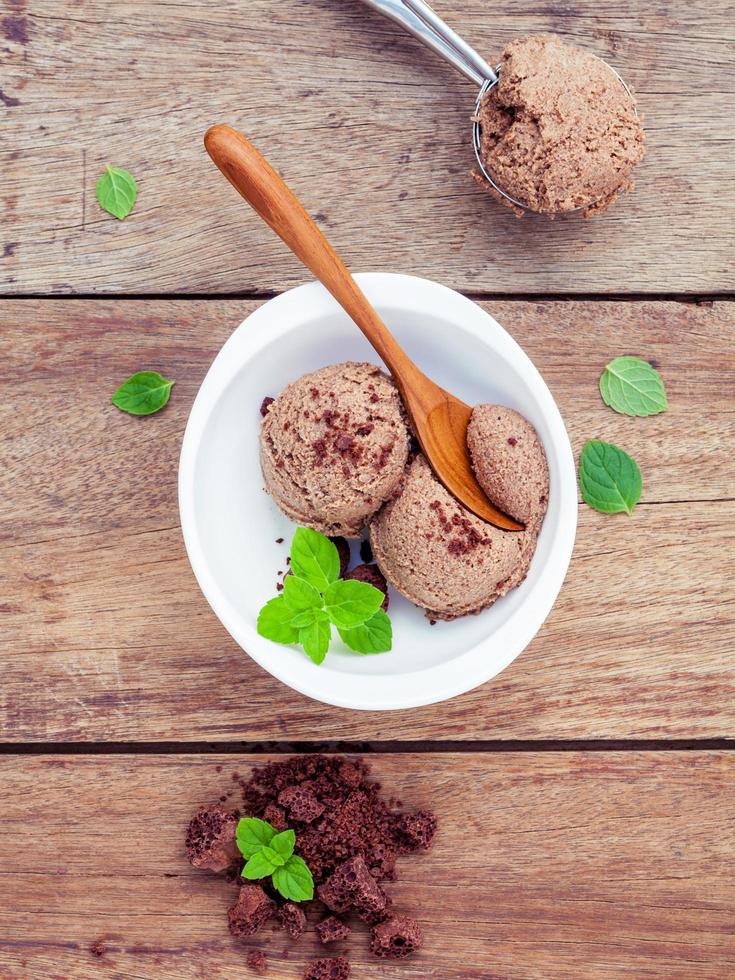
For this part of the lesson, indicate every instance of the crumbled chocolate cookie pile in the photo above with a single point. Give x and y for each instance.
(348, 834)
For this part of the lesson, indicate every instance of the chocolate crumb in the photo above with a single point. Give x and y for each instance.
(257, 962)
(396, 938)
(512, 441)
(328, 968)
(98, 948)
(279, 540)
(267, 401)
(210, 838)
(343, 549)
(252, 909)
(366, 551)
(293, 919)
(331, 930)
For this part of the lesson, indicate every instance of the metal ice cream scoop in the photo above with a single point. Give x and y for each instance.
(426, 25)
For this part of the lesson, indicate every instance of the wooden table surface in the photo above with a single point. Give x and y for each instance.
(597, 771)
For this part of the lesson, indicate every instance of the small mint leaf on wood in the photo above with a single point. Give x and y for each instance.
(609, 478)
(253, 834)
(632, 386)
(116, 192)
(143, 393)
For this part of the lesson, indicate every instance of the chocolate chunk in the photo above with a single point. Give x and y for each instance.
(276, 815)
(343, 550)
(293, 919)
(332, 929)
(257, 962)
(252, 909)
(267, 401)
(416, 830)
(301, 804)
(398, 936)
(328, 968)
(210, 838)
(353, 887)
(373, 576)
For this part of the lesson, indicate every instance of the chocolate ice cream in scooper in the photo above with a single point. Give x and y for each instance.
(555, 128)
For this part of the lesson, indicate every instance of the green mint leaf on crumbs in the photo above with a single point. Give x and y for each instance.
(314, 558)
(116, 192)
(260, 864)
(316, 637)
(253, 834)
(351, 603)
(300, 596)
(283, 844)
(143, 394)
(373, 636)
(275, 622)
(609, 478)
(294, 880)
(631, 386)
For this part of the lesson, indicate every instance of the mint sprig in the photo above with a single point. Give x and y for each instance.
(315, 598)
(271, 854)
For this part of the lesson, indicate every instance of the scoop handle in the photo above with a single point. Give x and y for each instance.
(268, 194)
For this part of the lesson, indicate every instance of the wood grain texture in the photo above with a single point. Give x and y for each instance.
(105, 632)
(598, 865)
(371, 130)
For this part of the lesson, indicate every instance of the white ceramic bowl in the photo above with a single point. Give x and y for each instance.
(230, 524)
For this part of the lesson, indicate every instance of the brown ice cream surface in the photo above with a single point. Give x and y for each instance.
(333, 447)
(559, 130)
(441, 556)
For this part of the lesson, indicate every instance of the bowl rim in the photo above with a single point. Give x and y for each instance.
(277, 317)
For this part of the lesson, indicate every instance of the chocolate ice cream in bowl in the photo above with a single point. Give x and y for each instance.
(555, 128)
(298, 435)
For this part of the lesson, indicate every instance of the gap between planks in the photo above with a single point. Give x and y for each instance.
(442, 746)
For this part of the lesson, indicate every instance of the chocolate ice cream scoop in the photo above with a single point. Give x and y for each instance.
(555, 128)
(439, 555)
(333, 447)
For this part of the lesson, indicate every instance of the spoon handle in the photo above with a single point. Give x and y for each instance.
(267, 193)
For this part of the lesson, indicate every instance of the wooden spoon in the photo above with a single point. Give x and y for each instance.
(439, 419)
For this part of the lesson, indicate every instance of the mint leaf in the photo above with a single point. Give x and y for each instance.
(631, 386)
(275, 622)
(294, 880)
(373, 636)
(283, 844)
(350, 603)
(315, 638)
(300, 596)
(253, 834)
(143, 393)
(261, 864)
(116, 192)
(314, 558)
(610, 480)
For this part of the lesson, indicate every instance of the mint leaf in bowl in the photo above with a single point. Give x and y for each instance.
(632, 386)
(375, 635)
(609, 478)
(314, 558)
(351, 603)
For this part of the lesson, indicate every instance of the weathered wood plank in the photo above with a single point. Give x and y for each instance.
(370, 129)
(598, 865)
(105, 633)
